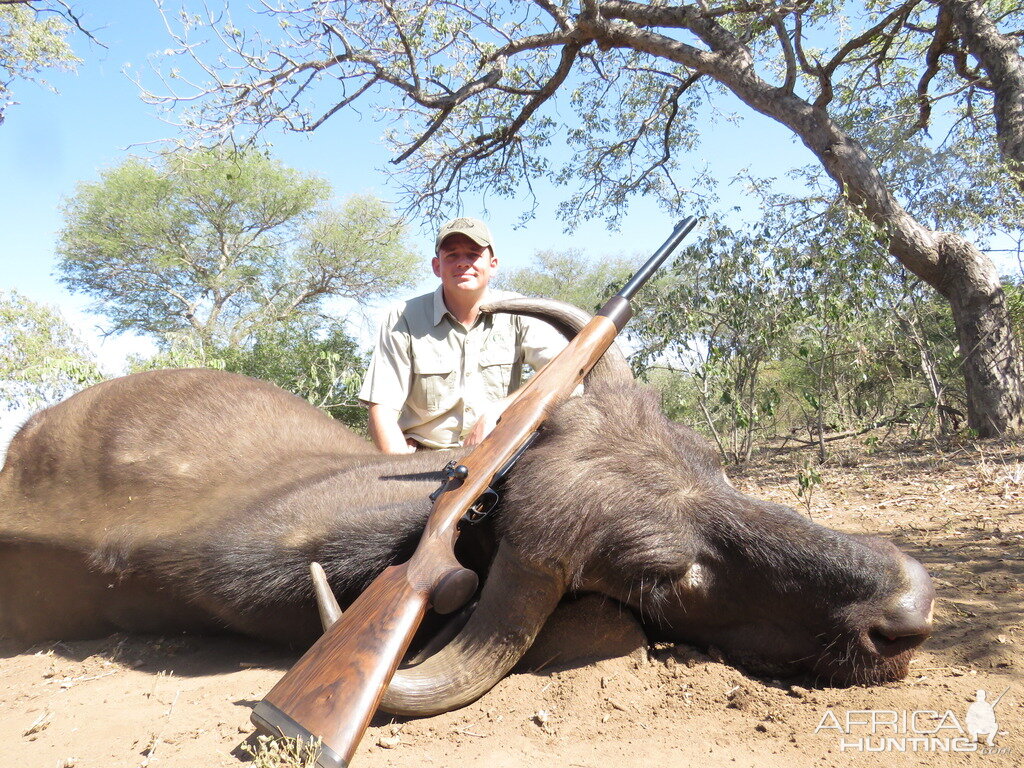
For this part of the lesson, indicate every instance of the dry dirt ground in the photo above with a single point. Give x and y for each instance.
(127, 702)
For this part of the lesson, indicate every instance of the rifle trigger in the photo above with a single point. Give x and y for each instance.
(483, 507)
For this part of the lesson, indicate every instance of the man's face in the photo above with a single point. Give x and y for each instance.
(463, 265)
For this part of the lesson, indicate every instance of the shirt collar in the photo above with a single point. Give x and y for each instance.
(441, 309)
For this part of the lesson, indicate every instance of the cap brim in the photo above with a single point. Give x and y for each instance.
(483, 241)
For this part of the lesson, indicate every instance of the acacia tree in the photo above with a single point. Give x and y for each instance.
(33, 38)
(42, 359)
(219, 247)
(475, 80)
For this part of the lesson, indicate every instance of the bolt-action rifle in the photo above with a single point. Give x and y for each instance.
(332, 692)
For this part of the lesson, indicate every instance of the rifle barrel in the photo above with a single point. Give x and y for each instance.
(644, 273)
(617, 308)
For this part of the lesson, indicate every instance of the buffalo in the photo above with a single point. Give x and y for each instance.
(195, 500)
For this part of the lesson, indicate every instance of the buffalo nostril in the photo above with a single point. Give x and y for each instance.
(901, 630)
(908, 622)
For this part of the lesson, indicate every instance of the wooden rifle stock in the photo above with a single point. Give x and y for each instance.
(332, 692)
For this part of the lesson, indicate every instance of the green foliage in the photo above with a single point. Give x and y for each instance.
(42, 359)
(322, 365)
(808, 477)
(319, 362)
(568, 276)
(33, 38)
(227, 259)
(755, 338)
(224, 246)
(720, 319)
(1014, 288)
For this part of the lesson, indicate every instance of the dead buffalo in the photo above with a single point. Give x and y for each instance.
(195, 500)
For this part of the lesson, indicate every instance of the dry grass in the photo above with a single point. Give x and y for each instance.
(269, 752)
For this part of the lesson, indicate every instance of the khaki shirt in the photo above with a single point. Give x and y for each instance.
(441, 376)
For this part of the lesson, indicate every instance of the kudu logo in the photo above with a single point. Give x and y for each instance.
(919, 730)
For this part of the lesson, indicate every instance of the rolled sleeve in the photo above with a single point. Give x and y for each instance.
(388, 377)
(539, 341)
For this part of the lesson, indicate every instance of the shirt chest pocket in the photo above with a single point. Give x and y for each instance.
(496, 369)
(433, 380)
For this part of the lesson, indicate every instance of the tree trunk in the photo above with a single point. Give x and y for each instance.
(949, 263)
(992, 361)
(1000, 58)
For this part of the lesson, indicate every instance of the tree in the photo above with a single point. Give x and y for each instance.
(33, 38)
(998, 56)
(568, 276)
(475, 82)
(321, 364)
(222, 247)
(317, 361)
(42, 359)
(776, 337)
(722, 318)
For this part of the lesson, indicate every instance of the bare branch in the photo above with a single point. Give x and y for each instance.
(787, 51)
(556, 13)
(342, 104)
(435, 124)
(943, 33)
(895, 18)
(805, 65)
(410, 56)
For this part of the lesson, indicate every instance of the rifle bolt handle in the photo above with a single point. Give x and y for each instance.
(454, 590)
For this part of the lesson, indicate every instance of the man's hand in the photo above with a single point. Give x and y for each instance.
(481, 429)
(385, 431)
(486, 422)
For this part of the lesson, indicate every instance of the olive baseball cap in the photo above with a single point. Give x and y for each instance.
(474, 229)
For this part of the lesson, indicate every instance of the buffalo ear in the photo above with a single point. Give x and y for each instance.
(584, 630)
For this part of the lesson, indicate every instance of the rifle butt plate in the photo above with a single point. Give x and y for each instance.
(272, 721)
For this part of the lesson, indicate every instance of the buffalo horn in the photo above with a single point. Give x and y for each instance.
(330, 611)
(568, 319)
(516, 600)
